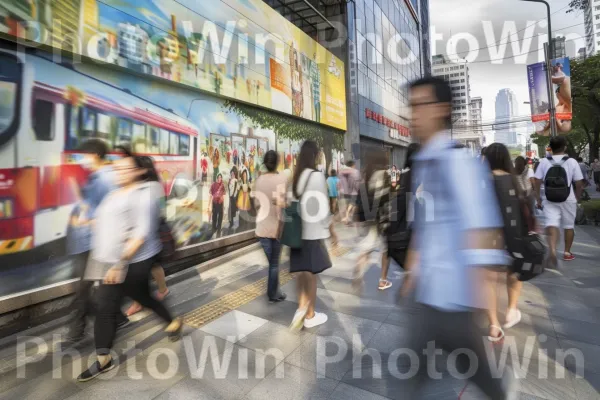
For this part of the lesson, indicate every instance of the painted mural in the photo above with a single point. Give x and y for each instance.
(241, 49)
(47, 110)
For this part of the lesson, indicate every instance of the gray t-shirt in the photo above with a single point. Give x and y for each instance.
(124, 215)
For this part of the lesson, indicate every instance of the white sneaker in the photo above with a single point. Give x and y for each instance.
(298, 320)
(317, 320)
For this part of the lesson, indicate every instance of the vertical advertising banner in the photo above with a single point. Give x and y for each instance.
(561, 90)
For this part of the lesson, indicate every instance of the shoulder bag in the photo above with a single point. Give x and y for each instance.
(292, 223)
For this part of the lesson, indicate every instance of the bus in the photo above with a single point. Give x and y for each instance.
(46, 111)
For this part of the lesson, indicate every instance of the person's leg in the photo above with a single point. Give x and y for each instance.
(311, 293)
(136, 286)
(220, 217)
(568, 216)
(513, 288)
(552, 216)
(302, 288)
(109, 299)
(273, 277)
(459, 330)
(495, 328)
(214, 216)
(158, 273)
(385, 266)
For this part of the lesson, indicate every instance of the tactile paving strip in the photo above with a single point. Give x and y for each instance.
(231, 301)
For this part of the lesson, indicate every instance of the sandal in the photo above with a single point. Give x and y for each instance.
(496, 339)
(175, 335)
(386, 284)
(134, 309)
(160, 296)
(514, 321)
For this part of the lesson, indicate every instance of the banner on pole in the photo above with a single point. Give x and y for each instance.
(561, 90)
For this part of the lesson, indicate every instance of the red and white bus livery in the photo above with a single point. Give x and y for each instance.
(46, 111)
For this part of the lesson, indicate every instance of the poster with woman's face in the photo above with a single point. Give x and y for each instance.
(238, 150)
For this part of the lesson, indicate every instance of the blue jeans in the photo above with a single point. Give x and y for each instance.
(272, 248)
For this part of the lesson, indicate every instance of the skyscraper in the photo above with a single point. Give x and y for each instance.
(506, 110)
(592, 27)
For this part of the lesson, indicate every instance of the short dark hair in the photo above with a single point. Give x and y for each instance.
(94, 146)
(441, 88)
(558, 144)
(333, 173)
(350, 164)
(579, 159)
(271, 160)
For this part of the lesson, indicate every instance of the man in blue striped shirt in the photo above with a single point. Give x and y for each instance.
(457, 236)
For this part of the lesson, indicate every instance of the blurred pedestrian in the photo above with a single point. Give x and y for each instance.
(333, 185)
(585, 171)
(268, 222)
(395, 177)
(596, 173)
(510, 192)
(455, 239)
(398, 232)
(373, 213)
(559, 173)
(310, 189)
(100, 183)
(125, 246)
(154, 184)
(350, 182)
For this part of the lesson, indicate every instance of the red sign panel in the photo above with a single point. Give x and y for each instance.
(399, 129)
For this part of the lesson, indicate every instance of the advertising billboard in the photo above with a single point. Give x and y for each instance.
(561, 90)
(243, 50)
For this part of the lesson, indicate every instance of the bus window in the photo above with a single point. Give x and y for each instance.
(154, 140)
(43, 118)
(88, 124)
(164, 142)
(125, 132)
(139, 139)
(72, 117)
(184, 145)
(10, 76)
(174, 144)
(106, 128)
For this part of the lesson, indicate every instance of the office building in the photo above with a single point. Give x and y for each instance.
(560, 48)
(475, 110)
(506, 110)
(592, 27)
(457, 74)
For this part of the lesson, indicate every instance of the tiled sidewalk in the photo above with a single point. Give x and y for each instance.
(249, 353)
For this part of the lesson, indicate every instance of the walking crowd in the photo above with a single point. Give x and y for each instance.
(458, 227)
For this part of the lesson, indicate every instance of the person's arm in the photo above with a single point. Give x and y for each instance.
(578, 179)
(537, 186)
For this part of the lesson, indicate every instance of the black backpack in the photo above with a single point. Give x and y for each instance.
(556, 182)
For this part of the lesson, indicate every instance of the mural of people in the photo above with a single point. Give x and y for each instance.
(243, 200)
(216, 160)
(315, 77)
(217, 197)
(296, 69)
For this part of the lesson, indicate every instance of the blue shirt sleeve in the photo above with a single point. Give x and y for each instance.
(472, 188)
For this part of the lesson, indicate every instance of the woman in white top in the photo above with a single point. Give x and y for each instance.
(310, 188)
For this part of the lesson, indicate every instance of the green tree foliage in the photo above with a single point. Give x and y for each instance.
(297, 130)
(585, 84)
(577, 5)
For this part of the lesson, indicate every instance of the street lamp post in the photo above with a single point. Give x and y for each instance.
(549, 55)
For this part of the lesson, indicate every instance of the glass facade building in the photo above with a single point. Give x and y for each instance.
(391, 49)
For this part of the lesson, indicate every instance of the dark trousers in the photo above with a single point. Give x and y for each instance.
(84, 300)
(217, 216)
(137, 287)
(232, 209)
(272, 248)
(452, 331)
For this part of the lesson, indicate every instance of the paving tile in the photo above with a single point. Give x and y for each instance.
(354, 305)
(43, 387)
(576, 330)
(224, 371)
(234, 325)
(280, 313)
(294, 384)
(347, 392)
(272, 337)
(389, 338)
(546, 380)
(587, 387)
(347, 327)
(588, 356)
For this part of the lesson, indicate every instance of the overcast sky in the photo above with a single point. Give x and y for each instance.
(482, 22)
